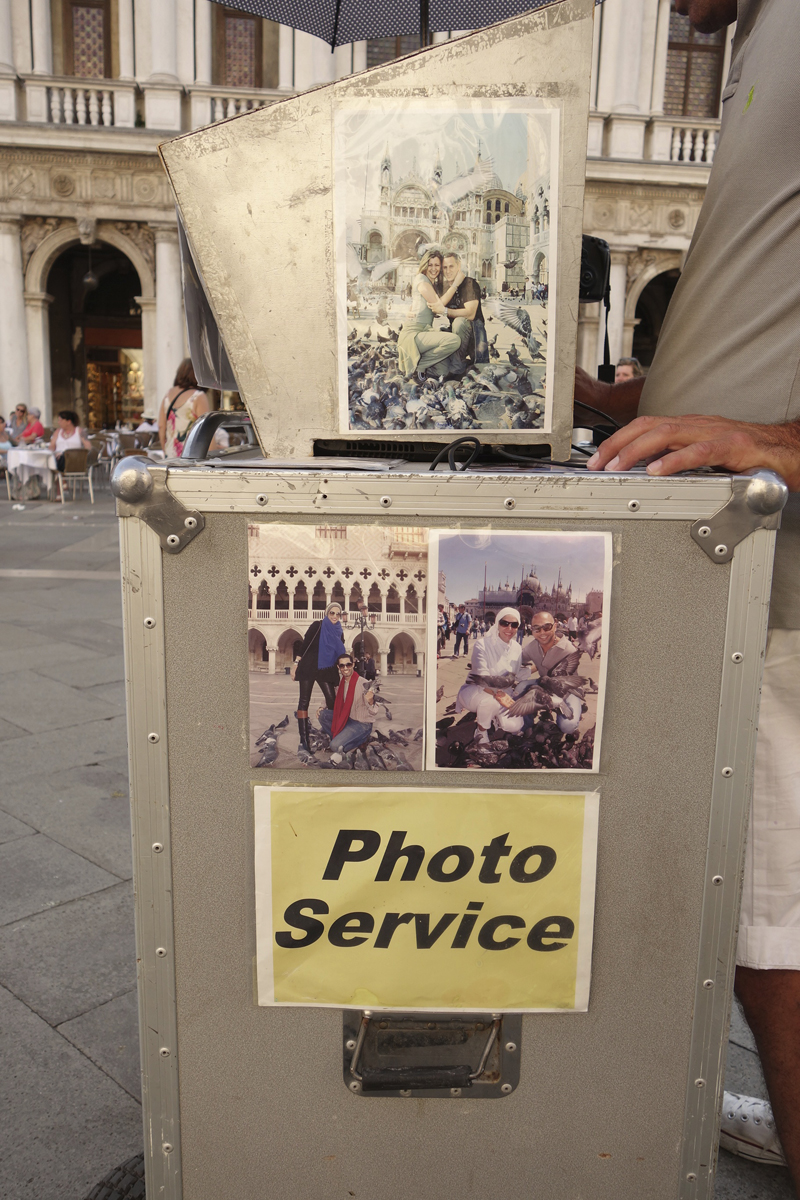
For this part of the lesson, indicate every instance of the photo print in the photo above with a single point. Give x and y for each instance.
(446, 234)
(336, 643)
(520, 643)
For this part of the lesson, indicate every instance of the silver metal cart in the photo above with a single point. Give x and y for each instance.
(618, 1102)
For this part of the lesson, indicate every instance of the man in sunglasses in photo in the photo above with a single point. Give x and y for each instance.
(546, 650)
(349, 722)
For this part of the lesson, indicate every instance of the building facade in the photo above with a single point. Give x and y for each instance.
(530, 594)
(88, 88)
(378, 574)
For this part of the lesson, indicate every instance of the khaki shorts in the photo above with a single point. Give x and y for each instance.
(769, 931)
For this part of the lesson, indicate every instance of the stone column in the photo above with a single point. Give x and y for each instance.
(14, 376)
(588, 329)
(169, 307)
(152, 398)
(125, 27)
(202, 42)
(660, 58)
(37, 318)
(359, 57)
(6, 39)
(313, 64)
(285, 57)
(618, 77)
(41, 30)
(163, 41)
(619, 289)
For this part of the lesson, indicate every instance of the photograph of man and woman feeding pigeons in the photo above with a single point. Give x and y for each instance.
(520, 631)
(446, 239)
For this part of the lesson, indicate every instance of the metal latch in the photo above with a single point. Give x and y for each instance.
(757, 498)
(140, 487)
(430, 1054)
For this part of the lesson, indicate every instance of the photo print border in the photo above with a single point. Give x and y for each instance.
(378, 574)
(548, 711)
(400, 169)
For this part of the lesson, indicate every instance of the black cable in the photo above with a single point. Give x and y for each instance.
(449, 453)
(598, 413)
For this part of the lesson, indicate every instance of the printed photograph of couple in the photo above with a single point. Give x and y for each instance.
(445, 241)
(519, 645)
(336, 646)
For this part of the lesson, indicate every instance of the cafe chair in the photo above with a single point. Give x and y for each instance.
(77, 467)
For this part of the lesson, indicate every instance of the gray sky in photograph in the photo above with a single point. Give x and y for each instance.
(581, 557)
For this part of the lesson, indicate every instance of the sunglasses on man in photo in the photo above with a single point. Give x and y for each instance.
(542, 628)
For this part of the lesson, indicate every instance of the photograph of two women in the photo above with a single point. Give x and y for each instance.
(357, 662)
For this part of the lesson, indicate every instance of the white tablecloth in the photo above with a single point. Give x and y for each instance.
(25, 463)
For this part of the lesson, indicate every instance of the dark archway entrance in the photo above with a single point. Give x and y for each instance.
(651, 308)
(96, 337)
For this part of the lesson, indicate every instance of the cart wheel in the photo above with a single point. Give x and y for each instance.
(123, 1183)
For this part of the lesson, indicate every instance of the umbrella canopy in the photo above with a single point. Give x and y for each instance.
(339, 22)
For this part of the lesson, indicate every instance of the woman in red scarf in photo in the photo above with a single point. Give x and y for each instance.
(349, 722)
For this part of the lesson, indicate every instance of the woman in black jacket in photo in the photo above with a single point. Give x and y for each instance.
(316, 663)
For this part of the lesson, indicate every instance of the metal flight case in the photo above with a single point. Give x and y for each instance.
(618, 1100)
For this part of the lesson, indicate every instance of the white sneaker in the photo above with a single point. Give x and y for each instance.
(748, 1129)
(336, 758)
(481, 737)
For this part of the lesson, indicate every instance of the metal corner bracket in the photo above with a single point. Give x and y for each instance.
(757, 499)
(140, 487)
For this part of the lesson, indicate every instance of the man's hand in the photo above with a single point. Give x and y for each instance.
(369, 696)
(700, 441)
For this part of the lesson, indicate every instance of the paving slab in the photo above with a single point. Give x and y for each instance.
(64, 1122)
(60, 749)
(739, 1179)
(7, 730)
(743, 1072)
(64, 962)
(86, 809)
(98, 636)
(741, 1033)
(38, 704)
(109, 1036)
(37, 873)
(87, 672)
(30, 657)
(11, 828)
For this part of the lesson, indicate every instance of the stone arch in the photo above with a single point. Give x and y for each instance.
(56, 242)
(540, 268)
(282, 597)
(319, 597)
(411, 600)
(288, 645)
(257, 649)
(300, 597)
(370, 643)
(337, 594)
(263, 596)
(402, 656)
(375, 599)
(664, 262)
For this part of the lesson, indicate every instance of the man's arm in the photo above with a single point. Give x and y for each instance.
(699, 441)
(468, 311)
(620, 401)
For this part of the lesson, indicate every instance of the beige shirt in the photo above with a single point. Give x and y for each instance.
(730, 343)
(544, 663)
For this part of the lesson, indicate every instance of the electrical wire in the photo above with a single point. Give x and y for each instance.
(448, 452)
(597, 412)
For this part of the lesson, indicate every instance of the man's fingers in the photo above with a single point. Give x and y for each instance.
(622, 449)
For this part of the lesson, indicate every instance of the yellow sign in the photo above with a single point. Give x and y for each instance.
(425, 899)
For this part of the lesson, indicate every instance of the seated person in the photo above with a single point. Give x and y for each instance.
(547, 649)
(68, 436)
(498, 653)
(33, 430)
(5, 444)
(349, 722)
(465, 313)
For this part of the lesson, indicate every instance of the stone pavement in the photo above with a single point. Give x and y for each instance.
(69, 1062)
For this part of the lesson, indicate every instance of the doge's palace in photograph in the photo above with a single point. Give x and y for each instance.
(89, 88)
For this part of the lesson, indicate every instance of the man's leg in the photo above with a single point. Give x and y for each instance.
(481, 342)
(768, 954)
(435, 348)
(353, 734)
(456, 363)
(771, 1003)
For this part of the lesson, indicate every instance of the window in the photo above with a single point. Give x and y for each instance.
(694, 70)
(330, 531)
(237, 49)
(87, 39)
(383, 50)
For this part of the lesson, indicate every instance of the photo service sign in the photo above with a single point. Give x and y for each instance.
(423, 899)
